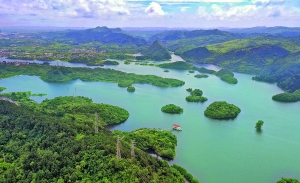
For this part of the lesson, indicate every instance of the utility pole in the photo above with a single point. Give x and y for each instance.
(132, 149)
(118, 148)
(3, 157)
(96, 123)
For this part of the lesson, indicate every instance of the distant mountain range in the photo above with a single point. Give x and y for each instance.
(105, 35)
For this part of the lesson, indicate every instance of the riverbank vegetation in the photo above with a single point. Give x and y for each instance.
(287, 97)
(221, 110)
(195, 95)
(162, 142)
(38, 147)
(172, 109)
(185, 173)
(65, 74)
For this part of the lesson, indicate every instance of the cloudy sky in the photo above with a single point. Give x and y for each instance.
(145, 13)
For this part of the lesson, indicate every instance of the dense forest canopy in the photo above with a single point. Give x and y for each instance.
(221, 110)
(39, 147)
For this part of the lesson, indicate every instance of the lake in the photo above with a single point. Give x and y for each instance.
(227, 151)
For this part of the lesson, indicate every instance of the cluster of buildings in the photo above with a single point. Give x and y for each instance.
(17, 63)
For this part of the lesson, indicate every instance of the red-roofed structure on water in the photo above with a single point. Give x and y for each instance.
(176, 127)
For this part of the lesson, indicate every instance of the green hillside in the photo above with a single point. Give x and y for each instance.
(38, 147)
(156, 52)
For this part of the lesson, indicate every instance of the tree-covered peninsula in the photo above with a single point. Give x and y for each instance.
(38, 147)
(287, 97)
(65, 74)
(162, 142)
(227, 76)
(172, 109)
(68, 108)
(221, 110)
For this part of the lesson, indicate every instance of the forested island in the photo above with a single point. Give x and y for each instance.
(201, 76)
(172, 109)
(221, 110)
(195, 95)
(63, 74)
(131, 89)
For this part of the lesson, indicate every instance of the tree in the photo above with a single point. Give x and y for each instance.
(259, 124)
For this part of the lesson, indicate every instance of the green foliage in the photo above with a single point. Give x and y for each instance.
(2, 88)
(82, 110)
(39, 94)
(204, 70)
(223, 72)
(104, 35)
(287, 97)
(179, 65)
(131, 89)
(196, 92)
(125, 83)
(195, 95)
(64, 74)
(192, 98)
(189, 89)
(156, 52)
(221, 110)
(185, 173)
(191, 71)
(259, 124)
(229, 79)
(227, 76)
(43, 148)
(127, 62)
(201, 76)
(197, 54)
(161, 141)
(166, 70)
(172, 109)
(288, 180)
(110, 62)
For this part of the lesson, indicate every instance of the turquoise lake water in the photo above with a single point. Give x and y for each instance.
(214, 151)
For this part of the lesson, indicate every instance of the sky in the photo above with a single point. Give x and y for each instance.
(148, 13)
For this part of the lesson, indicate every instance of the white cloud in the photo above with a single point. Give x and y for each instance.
(192, 1)
(267, 2)
(73, 8)
(154, 9)
(183, 9)
(250, 11)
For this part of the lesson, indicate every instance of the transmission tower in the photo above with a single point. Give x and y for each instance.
(132, 149)
(96, 123)
(118, 148)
